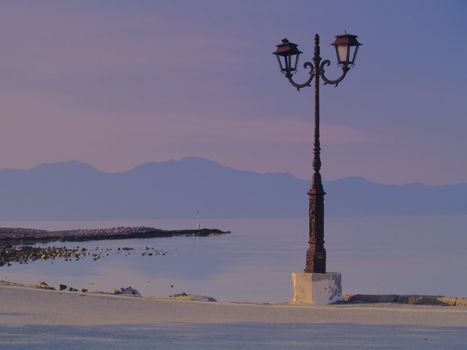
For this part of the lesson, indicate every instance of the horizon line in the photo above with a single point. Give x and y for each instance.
(357, 177)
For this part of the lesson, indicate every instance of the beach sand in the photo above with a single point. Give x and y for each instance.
(35, 319)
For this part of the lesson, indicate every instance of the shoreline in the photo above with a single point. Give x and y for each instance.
(26, 305)
(347, 299)
(16, 244)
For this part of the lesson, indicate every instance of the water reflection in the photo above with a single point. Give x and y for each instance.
(254, 262)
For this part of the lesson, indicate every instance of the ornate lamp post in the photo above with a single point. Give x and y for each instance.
(287, 54)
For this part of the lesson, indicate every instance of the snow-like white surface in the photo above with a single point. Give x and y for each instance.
(39, 319)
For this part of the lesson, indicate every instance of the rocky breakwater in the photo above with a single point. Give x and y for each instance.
(26, 254)
(32, 236)
(15, 243)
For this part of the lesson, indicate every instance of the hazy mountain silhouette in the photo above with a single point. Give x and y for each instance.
(177, 189)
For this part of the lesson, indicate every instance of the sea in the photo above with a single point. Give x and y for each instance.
(375, 255)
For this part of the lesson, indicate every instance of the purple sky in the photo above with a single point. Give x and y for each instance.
(119, 83)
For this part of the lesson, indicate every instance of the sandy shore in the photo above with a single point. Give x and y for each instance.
(37, 319)
(23, 305)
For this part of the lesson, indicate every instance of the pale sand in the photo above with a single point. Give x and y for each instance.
(34, 319)
(21, 305)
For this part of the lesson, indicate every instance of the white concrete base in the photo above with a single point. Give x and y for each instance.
(316, 288)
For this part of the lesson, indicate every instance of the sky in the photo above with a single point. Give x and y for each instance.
(119, 83)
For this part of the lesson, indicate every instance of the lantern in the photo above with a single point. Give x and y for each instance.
(346, 49)
(287, 55)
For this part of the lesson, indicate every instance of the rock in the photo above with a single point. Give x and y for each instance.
(406, 299)
(44, 285)
(84, 290)
(461, 301)
(420, 300)
(62, 287)
(185, 296)
(203, 298)
(127, 291)
(370, 298)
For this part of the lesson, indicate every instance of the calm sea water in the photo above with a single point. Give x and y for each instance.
(422, 255)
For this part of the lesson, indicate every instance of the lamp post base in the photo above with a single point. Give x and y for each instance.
(316, 288)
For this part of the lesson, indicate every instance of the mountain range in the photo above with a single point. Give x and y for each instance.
(180, 188)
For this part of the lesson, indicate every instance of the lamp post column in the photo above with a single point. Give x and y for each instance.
(316, 254)
(315, 285)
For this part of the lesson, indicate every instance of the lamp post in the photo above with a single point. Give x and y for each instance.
(287, 54)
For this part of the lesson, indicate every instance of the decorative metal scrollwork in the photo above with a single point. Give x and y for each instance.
(324, 63)
(317, 71)
(306, 83)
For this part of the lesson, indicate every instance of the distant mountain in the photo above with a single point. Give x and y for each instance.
(354, 196)
(177, 189)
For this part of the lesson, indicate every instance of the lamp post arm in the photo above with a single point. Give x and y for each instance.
(306, 83)
(345, 69)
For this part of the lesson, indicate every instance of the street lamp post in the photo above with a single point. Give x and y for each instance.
(287, 54)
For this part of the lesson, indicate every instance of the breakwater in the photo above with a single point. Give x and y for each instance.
(17, 244)
(30, 236)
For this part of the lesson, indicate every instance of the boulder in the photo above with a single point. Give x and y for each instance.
(127, 291)
(44, 285)
(185, 296)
